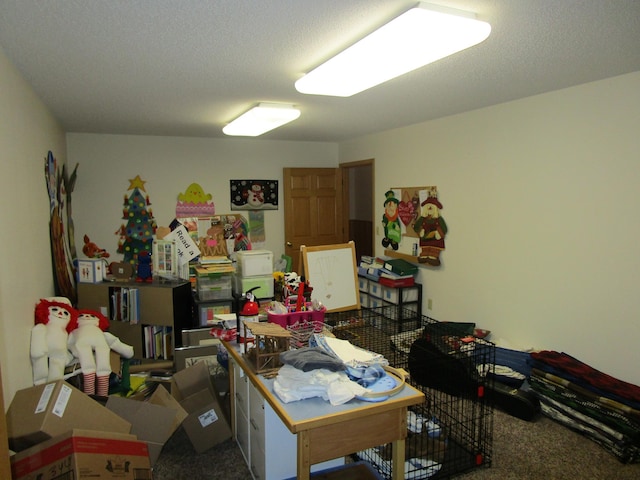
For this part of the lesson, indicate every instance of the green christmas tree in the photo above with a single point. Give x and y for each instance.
(136, 235)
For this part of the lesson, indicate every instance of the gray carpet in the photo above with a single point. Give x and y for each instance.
(542, 449)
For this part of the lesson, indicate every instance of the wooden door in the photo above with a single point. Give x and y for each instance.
(312, 209)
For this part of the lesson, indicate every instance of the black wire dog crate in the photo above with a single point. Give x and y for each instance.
(452, 431)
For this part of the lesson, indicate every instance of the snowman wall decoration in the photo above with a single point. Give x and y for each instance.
(254, 194)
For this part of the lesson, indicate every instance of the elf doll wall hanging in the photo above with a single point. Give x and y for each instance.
(391, 222)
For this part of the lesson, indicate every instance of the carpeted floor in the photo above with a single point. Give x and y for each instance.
(542, 449)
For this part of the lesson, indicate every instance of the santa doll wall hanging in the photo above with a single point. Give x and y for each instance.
(431, 228)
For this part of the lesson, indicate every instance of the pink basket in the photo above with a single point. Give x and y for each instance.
(301, 324)
(285, 320)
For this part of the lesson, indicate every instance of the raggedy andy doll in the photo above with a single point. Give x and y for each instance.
(91, 344)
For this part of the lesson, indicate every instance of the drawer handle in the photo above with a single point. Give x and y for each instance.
(253, 424)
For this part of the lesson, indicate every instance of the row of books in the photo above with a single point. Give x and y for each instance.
(158, 344)
(125, 305)
(395, 272)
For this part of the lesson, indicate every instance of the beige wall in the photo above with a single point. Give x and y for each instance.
(27, 133)
(169, 165)
(541, 197)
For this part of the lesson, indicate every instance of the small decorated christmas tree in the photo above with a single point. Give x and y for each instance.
(136, 235)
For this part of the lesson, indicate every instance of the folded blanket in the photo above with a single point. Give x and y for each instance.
(293, 384)
(311, 358)
(572, 369)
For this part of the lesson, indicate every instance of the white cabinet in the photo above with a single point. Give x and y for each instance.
(268, 447)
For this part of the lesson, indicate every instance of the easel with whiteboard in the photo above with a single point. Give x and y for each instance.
(332, 272)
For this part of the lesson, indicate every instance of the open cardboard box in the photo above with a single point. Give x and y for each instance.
(44, 411)
(84, 454)
(152, 421)
(206, 424)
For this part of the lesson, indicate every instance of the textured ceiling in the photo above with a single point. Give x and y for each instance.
(186, 68)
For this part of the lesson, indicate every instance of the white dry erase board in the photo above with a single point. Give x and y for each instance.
(332, 272)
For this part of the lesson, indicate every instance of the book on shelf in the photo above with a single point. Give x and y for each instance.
(214, 260)
(400, 266)
(125, 305)
(158, 342)
(218, 268)
(394, 276)
(367, 261)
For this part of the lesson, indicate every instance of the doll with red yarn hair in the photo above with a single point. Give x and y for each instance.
(49, 353)
(90, 342)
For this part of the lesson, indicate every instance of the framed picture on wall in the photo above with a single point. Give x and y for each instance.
(254, 194)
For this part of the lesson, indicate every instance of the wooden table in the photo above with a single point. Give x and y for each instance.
(325, 432)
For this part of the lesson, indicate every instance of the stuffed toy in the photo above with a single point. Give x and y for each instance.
(143, 271)
(49, 353)
(91, 344)
(91, 250)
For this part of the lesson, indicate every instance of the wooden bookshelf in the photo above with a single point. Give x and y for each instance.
(161, 304)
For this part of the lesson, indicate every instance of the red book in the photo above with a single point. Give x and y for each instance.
(400, 282)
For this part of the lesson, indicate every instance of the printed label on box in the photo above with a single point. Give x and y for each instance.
(44, 398)
(207, 418)
(62, 400)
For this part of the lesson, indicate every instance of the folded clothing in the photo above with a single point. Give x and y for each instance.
(311, 358)
(293, 384)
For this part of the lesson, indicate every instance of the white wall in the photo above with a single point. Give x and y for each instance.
(541, 197)
(27, 132)
(169, 165)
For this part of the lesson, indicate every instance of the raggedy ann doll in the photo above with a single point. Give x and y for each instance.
(49, 353)
(91, 344)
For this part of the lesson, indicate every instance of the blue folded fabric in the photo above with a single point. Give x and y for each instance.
(366, 376)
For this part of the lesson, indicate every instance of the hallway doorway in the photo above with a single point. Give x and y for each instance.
(358, 207)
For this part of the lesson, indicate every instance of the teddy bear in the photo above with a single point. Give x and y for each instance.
(49, 353)
(90, 342)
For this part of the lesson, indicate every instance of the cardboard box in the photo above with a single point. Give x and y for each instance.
(41, 412)
(84, 454)
(152, 421)
(206, 425)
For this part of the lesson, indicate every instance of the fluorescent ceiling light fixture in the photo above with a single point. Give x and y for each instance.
(261, 119)
(421, 35)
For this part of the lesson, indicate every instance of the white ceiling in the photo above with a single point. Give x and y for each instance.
(187, 67)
